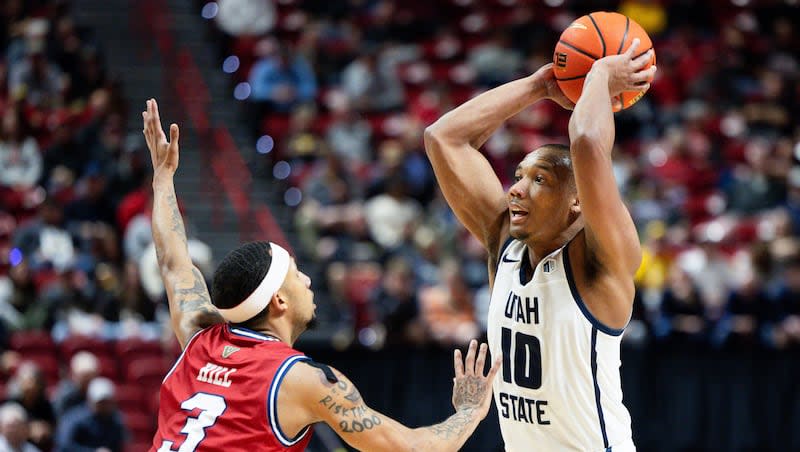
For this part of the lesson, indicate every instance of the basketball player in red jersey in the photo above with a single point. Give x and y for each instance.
(239, 385)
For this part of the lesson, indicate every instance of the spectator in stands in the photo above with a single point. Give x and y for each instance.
(786, 301)
(390, 215)
(395, 303)
(20, 159)
(447, 309)
(28, 389)
(495, 61)
(303, 143)
(44, 241)
(755, 186)
(747, 307)
(372, 83)
(84, 367)
(349, 135)
(683, 313)
(14, 429)
(37, 80)
(65, 151)
(92, 203)
(281, 80)
(95, 426)
(20, 307)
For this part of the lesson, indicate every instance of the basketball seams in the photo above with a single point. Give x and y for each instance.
(578, 49)
(637, 56)
(600, 34)
(567, 79)
(625, 35)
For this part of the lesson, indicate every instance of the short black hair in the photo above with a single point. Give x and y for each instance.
(562, 157)
(563, 153)
(239, 274)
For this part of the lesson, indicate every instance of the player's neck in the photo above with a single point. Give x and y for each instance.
(277, 331)
(538, 250)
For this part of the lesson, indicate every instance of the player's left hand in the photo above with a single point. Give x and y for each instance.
(163, 154)
(626, 71)
(553, 92)
(471, 389)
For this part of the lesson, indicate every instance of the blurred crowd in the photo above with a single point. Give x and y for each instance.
(339, 93)
(707, 160)
(76, 259)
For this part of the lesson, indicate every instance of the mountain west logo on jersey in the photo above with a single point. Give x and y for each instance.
(229, 350)
(549, 266)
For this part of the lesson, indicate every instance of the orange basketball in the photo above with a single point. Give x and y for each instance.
(590, 38)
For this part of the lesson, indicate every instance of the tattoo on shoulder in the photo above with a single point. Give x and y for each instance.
(193, 298)
(196, 299)
(352, 414)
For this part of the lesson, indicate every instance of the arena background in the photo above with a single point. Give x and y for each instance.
(301, 123)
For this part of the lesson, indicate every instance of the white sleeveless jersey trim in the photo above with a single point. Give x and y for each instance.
(560, 387)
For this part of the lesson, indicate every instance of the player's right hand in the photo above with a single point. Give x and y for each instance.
(626, 71)
(163, 154)
(552, 90)
(472, 389)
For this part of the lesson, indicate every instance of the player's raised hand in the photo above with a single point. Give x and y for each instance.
(553, 92)
(626, 71)
(163, 154)
(471, 389)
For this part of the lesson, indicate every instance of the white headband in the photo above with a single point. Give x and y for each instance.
(260, 298)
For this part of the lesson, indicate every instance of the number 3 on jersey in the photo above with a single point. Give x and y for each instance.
(211, 407)
(527, 369)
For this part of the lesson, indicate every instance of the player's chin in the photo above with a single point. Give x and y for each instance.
(518, 232)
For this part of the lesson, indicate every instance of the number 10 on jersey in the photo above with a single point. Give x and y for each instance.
(526, 371)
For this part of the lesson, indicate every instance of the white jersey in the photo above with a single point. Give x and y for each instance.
(560, 387)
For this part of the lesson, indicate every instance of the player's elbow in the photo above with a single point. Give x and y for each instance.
(433, 138)
(634, 258)
(590, 142)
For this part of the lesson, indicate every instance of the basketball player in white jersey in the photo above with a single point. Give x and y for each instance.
(562, 249)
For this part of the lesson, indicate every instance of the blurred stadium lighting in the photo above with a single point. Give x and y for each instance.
(210, 10)
(281, 170)
(265, 144)
(293, 196)
(242, 91)
(231, 64)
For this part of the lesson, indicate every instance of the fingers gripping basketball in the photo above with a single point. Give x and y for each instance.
(590, 38)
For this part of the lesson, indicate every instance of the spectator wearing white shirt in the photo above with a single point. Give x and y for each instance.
(14, 429)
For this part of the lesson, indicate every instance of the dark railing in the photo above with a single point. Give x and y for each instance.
(680, 398)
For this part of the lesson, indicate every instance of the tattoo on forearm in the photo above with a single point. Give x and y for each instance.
(455, 425)
(176, 220)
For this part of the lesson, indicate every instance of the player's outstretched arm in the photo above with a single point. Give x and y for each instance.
(610, 232)
(340, 405)
(466, 178)
(190, 305)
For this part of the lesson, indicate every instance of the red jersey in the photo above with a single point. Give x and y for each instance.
(221, 394)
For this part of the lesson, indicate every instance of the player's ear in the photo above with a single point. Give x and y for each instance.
(575, 205)
(278, 302)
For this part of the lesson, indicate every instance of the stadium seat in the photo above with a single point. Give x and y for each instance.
(32, 341)
(109, 367)
(139, 446)
(147, 372)
(359, 284)
(130, 398)
(133, 348)
(142, 426)
(75, 344)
